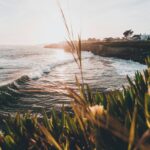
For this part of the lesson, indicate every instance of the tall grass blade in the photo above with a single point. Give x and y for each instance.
(133, 128)
(147, 107)
(50, 139)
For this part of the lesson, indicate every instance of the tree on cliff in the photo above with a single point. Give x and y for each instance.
(128, 33)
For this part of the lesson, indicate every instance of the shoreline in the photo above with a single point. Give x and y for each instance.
(128, 50)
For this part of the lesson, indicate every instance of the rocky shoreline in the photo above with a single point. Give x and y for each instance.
(128, 50)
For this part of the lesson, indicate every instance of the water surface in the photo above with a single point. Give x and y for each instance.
(33, 78)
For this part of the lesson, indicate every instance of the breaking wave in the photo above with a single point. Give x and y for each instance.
(10, 92)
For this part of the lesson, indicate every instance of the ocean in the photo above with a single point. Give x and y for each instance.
(33, 78)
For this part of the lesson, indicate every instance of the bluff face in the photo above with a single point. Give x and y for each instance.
(129, 50)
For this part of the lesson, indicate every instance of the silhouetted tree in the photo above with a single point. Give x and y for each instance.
(108, 39)
(92, 39)
(136, 37)
(128, 33)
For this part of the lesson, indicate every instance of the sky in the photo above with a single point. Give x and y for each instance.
(39, 21)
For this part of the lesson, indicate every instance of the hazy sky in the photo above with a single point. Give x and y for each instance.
(39, 21)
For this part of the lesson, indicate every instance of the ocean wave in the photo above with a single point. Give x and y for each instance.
(10, 92)
(39, 72)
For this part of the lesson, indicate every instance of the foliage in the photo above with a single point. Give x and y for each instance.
(128, 33)
(59, 131)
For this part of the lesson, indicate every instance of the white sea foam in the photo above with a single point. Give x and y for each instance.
(35, 75)
(127, 67)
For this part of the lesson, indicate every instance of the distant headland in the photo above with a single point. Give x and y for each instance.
(136, 47)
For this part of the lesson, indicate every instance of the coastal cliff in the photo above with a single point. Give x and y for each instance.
(129, 50)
